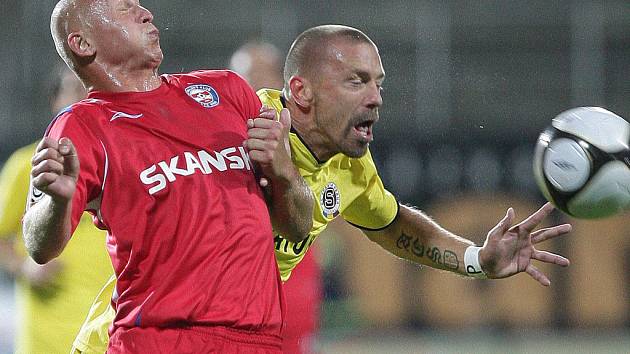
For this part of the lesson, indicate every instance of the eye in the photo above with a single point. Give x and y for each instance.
(356, 82)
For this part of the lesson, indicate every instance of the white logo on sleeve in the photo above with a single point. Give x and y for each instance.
(125, 115)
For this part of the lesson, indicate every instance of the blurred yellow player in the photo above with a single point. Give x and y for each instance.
(52, 299)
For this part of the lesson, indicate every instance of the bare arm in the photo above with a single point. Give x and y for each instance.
(508, 249)
(47, 222)
(416, 237)
(290, 199)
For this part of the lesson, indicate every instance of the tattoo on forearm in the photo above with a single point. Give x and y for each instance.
(414, 246)
(450, 260)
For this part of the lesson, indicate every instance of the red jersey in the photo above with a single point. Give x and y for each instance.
(165, 173)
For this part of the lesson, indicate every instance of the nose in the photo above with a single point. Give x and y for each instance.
(374, 99)
(145, 15)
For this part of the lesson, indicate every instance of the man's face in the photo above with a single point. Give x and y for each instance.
(347, 95)
(123, 33)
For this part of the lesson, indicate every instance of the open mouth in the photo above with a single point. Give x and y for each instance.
(155, 33)
(364, 130)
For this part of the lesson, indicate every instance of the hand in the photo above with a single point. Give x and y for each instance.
(268, 144)
(509, 250)
(55, 168)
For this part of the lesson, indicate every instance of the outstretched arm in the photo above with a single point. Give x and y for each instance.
(290, 199)
(508, 249)
(47, 222)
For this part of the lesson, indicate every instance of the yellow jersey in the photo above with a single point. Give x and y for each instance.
(49, 317)
(343, 186)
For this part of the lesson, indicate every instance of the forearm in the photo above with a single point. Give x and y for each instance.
(291, 206)
(417, 238)
(47, 229)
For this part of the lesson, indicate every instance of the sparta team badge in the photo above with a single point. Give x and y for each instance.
(205, 95)
(330, 201)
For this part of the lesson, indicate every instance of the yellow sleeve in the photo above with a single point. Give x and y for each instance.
(93, 336)
(376, 208)
(14, 183)
(272, 99)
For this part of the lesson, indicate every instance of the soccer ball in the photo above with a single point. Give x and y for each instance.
(581, 162)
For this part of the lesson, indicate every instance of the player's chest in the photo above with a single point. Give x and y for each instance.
(167, 122)
(155, 148)
(334, 190)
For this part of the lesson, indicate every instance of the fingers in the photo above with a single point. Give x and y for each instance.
(265, 129)
(537, 275)
(503, 226)
(551, 258)
(259, 155)
(285, 119)
(47, 153)
(267, 136)
(52, 159)
(47, 163)
(71, 158)
(47, 142)
(265, 114)
(50, 149)
(550, 232)
(260, 145)
(264, 135)
(47, 166)
(43, 180)
(533, 220)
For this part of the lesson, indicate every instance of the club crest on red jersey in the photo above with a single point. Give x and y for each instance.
(205, 95)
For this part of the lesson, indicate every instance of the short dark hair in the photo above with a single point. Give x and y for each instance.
(306, 50)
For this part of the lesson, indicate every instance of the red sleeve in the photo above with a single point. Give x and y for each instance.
(244, 96)
(91, 159)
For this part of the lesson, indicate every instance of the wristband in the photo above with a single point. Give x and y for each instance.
(471, 263)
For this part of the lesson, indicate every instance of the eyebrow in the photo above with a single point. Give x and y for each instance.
(364, 74)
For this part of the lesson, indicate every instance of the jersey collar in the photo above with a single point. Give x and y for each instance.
(305, 151)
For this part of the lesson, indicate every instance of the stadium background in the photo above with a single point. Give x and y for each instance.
(470, 84)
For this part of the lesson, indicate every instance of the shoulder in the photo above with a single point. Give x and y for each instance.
(217, 83)
(270, 97)
(364, 163)
(219, 77)
(83, 117)
(82, 110)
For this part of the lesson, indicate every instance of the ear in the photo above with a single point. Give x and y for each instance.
(80, 46)
(301, 91)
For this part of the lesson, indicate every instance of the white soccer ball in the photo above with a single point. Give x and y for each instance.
(582, 160)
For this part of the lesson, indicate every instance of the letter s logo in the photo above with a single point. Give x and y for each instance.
(147, 179)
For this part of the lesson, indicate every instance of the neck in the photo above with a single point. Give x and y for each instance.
(120, 79)
(303, 122)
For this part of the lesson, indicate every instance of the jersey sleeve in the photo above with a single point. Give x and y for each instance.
(244, 96)
(376, 208)
(91, 159)
(14, 180)
(271, 98)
